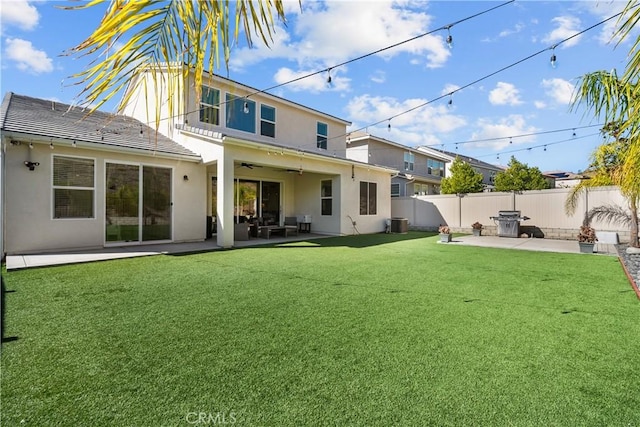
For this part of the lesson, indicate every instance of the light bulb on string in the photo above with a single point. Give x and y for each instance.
(329, 77)
(553, 61)
(450, 103)
(449, 38)
(510, 140)
(245, 107)
(545, 148)
(389, 126)
(574, 133)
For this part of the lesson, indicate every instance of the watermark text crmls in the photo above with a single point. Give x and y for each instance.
(211, 418)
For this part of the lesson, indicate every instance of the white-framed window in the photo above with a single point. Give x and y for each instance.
(240, 113)
(395, 190)
(409, 160)
(73, 185)
(267, 121)
(435, 167)
(420, 189)
(326, 197)
(368, 198)
(322, 132)
(210, 105)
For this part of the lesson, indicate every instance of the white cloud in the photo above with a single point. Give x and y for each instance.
(449, 88)
(516, 29)
(502, 130)
(28, 58)
(540, 105)
(566, 26)
(332, 32)
(19, 13)
(505, 94)
(379, 76)
(419, 126)
(604, 10)
(316, 83)
(560, 91)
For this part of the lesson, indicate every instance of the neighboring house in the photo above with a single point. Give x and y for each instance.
(562, 179)
(283, 159)
(487, 170)
(418, 174)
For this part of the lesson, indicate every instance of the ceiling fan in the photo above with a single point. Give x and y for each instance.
(249, 165)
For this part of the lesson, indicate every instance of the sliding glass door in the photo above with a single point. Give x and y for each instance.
(138, 203)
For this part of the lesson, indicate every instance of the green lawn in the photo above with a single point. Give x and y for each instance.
(366, 330)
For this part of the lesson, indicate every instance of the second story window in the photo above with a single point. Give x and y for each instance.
(241, 113)
(267, 121)
(210, 106)
(409, 160)
(435, 167)
(322, 133)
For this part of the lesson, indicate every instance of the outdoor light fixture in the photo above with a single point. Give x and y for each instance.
(31, 165)
(51, 145)
(553, 60)
(31, 146)
(449, 38)
(329, 77)
(245, 107)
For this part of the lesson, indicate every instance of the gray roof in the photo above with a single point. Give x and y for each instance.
(471, 160)
(51, 119)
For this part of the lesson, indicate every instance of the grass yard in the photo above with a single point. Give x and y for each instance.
(364, 330)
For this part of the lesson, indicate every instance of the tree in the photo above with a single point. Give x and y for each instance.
(606, 166)
(519, 177)
(133, 35)
(463, 179)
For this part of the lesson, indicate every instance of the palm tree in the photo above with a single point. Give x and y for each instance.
(136, 34)
(606, 167)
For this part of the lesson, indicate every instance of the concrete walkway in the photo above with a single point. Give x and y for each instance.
(15, 262)
(530, 244)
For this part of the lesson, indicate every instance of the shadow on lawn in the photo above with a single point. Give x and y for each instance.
(355, 241)
(2, 310)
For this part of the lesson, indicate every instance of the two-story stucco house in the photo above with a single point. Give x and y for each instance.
(487, 170)
(418, 174)
(232, 155)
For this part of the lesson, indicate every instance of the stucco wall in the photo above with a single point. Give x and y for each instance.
(30, 226)
(545, 208)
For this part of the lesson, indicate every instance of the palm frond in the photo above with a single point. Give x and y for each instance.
(172, 37)
(609, 214)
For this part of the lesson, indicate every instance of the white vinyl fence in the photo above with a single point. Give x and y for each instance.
(545, 209)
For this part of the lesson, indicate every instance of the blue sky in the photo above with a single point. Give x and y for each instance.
(487, 120)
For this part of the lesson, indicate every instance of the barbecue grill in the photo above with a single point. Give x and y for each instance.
(508, 223)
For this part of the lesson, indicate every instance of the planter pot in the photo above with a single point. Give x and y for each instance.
(477, 231)
(445, 238)
(586, 248)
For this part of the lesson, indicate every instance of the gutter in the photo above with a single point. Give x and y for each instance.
(99, 147)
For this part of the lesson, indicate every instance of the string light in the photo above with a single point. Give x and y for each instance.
(51, 145)
(329, 76)
(245, 107)
(574, 132)
(449, 37)
(545, 148)
(553, 60)
(389, 126)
